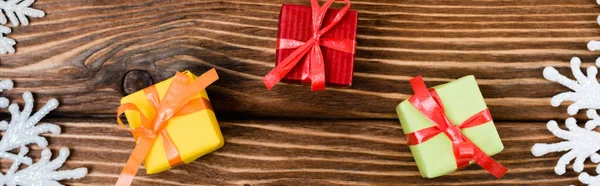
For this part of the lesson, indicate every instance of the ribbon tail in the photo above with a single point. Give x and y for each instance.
(486, 162)
(195, 87)
(317, 69)
(305, 76)
(426, 104)
(176, 93)
(318, 12)
(273, 77)
(193, 106)
(337, 18)
(135, 161)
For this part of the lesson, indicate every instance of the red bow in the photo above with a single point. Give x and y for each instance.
(314, 68)
(430, 105)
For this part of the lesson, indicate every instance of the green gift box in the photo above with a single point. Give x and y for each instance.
(461, 100)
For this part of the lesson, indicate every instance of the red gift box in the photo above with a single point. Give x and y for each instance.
(296, 24)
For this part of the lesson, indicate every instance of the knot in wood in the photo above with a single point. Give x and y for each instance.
(136, 80)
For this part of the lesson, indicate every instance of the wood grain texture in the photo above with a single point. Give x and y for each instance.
(317, 152)
(89, 53)
(81, 51)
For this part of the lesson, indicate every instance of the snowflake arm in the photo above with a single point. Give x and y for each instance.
(42, 172)
(17, 11)
(6, 44)
(22, 129)
(590, 180)
(594, 45)
(584, 88)
(577, 143)
(5, 85)
(594, 119)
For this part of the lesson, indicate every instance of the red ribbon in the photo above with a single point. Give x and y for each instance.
(429, 104)
(314, 68)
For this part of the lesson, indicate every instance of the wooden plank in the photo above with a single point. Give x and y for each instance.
(313, 152)
(81, 51)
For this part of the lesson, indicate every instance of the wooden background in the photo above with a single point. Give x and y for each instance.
(90, 53)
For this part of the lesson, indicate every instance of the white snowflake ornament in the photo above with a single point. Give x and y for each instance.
(580, 143)
(586, 89)
(576, 143)
(17, 12)
(23, 130)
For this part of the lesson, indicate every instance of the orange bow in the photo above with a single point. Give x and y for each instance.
(178, 100)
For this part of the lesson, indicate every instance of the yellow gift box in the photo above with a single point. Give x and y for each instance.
(194, 134)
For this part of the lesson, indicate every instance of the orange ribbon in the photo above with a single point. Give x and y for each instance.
(178, 100)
